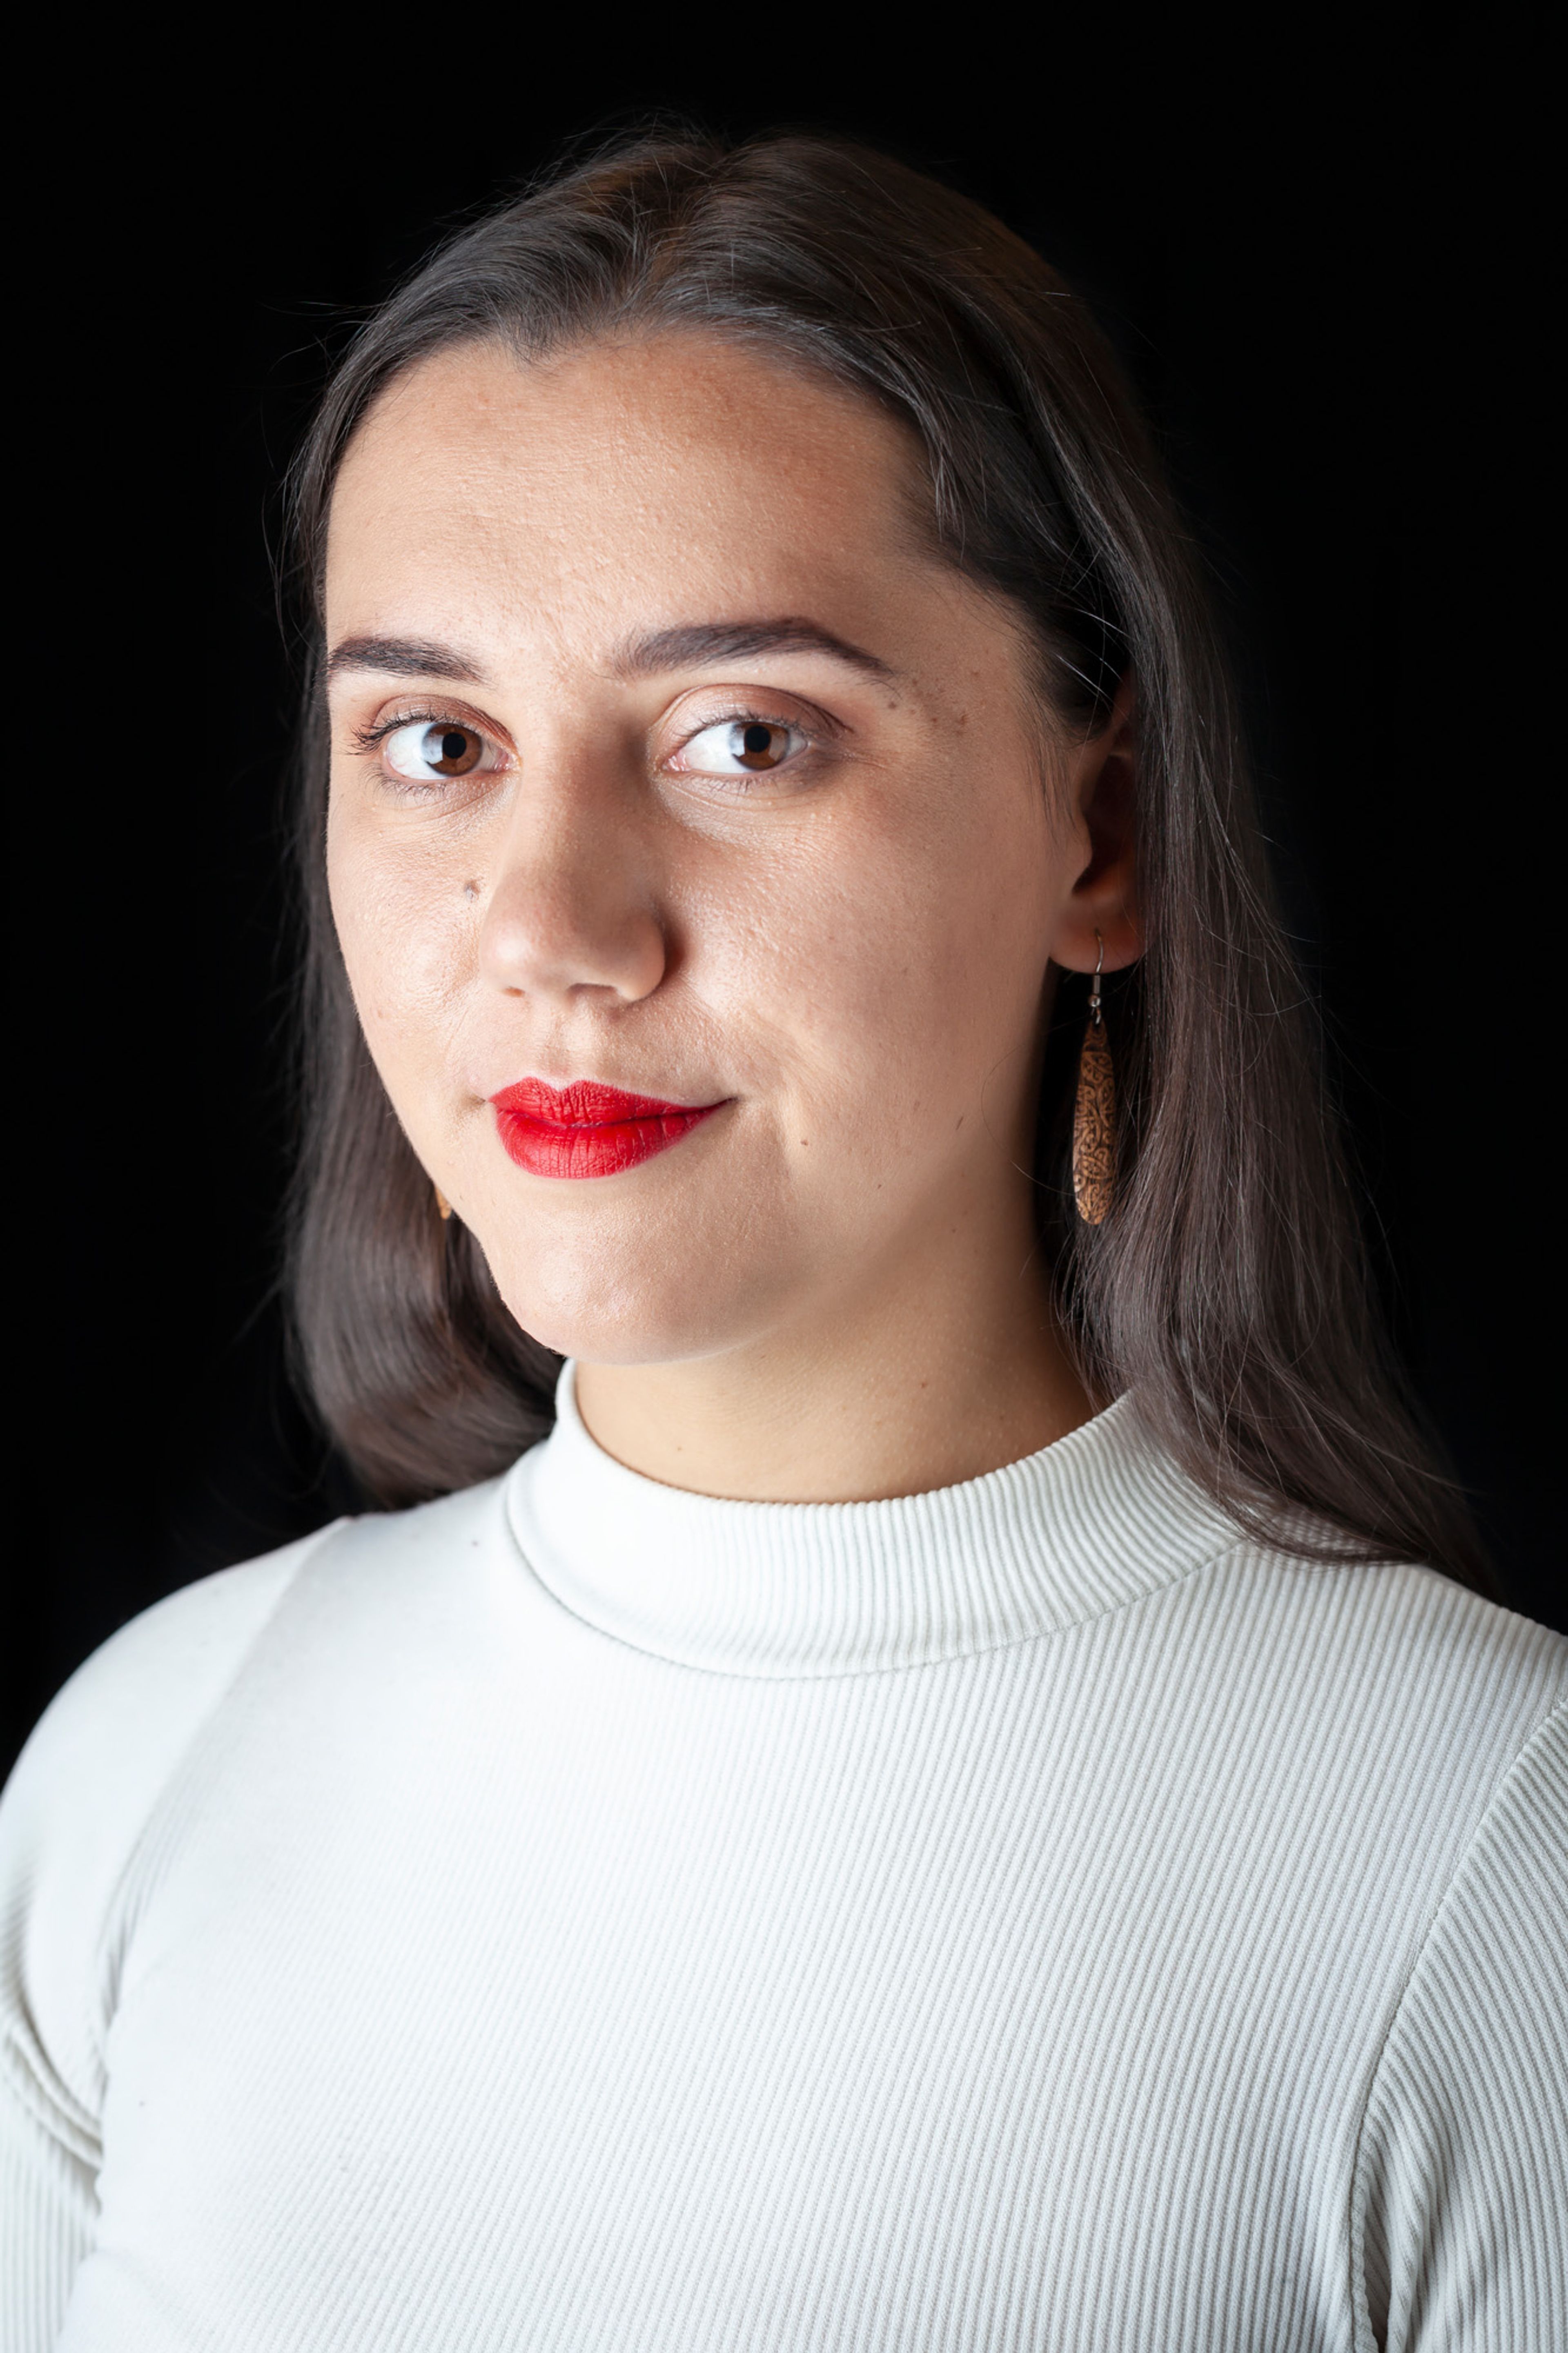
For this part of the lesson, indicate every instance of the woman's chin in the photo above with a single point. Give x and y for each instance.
(653, 1323)
(652, 1288)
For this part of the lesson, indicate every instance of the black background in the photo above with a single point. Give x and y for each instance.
(1315, 253)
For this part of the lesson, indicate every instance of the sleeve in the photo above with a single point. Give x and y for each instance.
(71, 1818)
(1462, 2182)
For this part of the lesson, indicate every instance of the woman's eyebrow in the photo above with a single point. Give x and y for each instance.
(709, 642)
(400, 656)
(649, 656)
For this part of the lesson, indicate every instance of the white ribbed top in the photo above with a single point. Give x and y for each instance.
(1100, 1519)
(587, 1917)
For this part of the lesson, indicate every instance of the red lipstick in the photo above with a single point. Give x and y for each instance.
(586, 1129)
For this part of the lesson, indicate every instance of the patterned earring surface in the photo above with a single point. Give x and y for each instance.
(1094, 1114)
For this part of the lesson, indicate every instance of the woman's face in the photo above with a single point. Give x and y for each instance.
(667, 760)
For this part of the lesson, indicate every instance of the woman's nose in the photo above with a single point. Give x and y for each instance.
(572, 903)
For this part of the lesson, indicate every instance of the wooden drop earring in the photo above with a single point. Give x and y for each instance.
(1094, 1113)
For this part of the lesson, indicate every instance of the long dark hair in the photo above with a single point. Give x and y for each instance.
(1227, 1288)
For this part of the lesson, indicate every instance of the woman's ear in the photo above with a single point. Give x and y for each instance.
(1102, 810)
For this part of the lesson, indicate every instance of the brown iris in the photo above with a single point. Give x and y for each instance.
(451, 751)
(757, 745)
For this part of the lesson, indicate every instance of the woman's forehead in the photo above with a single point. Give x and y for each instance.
(615, 429)
(624, 482)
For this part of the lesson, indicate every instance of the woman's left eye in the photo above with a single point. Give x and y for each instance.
(739, 748)
(429, 752)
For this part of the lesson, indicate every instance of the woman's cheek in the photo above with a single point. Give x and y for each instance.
(405, 941)
(878, 966)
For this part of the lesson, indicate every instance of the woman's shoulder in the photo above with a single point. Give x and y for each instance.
(1404, 1605)
(79, 1806)
(119, 1726)
(1402, 1624)
(84, 1788)
(128, 1713)
(1420, 1691)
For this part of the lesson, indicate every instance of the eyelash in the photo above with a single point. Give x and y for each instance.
(751, 716)
(366, 738)
(735, 717)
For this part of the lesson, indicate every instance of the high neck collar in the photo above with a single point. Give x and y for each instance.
(1099, 1519)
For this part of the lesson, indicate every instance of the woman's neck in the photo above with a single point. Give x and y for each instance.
(919, 1384)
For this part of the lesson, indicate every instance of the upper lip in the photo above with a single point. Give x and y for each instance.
(586, 1102)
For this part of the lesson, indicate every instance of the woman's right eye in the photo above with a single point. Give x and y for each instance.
(429, 752)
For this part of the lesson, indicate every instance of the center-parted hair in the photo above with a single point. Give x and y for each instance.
(1227, 1288)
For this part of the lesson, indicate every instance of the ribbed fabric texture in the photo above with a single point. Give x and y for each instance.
(585, 1917)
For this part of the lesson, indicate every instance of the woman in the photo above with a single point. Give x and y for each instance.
(965, 1794)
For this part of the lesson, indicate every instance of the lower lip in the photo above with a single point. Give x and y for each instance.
(604, 1148)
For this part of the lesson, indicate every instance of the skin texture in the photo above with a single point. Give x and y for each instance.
(831, 1289)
